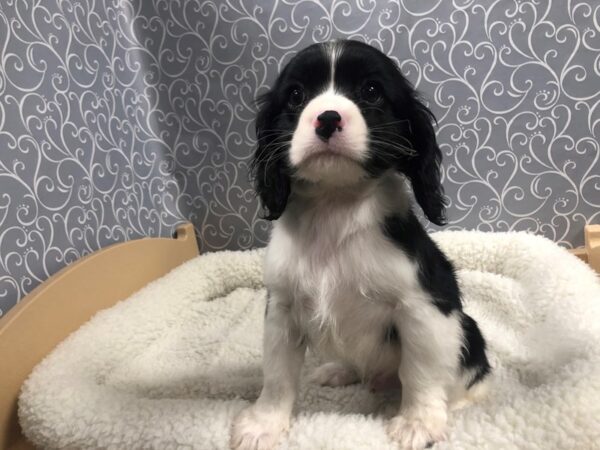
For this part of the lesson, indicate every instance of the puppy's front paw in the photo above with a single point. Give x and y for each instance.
(333, 374)
(253, 429)
(416, 433)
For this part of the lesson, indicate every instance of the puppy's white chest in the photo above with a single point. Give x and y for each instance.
(342, 298)
(346, 321)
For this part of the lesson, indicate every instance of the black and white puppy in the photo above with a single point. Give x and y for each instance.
(350, 271)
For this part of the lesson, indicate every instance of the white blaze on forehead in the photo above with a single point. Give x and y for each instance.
(334, 51)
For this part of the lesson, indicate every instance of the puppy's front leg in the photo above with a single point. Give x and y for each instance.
(261, 425)
(430, 345)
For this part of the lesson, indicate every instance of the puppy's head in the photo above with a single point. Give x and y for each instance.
(339, 113)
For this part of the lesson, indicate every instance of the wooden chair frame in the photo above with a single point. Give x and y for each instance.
(65, 301)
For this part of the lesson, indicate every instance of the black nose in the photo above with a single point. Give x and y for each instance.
(328, 122)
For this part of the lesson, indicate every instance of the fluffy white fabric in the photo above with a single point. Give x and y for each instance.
(169, 367)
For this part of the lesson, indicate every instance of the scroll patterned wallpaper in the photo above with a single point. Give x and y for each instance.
(121, 119)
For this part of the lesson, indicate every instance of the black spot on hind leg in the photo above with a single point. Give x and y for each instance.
(473, 357)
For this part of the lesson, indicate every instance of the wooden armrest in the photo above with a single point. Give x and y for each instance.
(590, 253)
(62, 303)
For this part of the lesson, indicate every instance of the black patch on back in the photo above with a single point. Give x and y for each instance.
(473, 352)
(436, 273)
(437, 277)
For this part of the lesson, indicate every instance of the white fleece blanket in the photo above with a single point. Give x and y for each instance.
(170, 367)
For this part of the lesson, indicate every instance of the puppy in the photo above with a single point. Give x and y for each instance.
(350, 271)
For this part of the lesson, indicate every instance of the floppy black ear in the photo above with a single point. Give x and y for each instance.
(424, 167)
(270, 168)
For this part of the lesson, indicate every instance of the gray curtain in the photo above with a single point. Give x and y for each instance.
(122, 119)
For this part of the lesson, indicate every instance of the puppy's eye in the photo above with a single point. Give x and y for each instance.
(371, 92)
(296, 97)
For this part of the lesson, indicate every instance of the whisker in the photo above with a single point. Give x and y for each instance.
(389, 136)
(270, 137)
(390, 145)
(394, 140)
(278, 155)
(386, 124)
(272, 154)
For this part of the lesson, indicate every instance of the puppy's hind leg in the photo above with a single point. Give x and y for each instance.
(473, 384)
(431, 344)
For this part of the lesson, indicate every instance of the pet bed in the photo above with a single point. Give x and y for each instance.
(170, 366)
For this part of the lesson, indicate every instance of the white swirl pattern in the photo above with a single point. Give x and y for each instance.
(121, 119)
